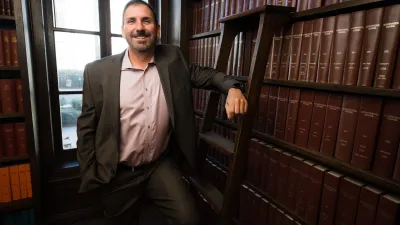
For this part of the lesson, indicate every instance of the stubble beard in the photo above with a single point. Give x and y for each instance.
(144, 46)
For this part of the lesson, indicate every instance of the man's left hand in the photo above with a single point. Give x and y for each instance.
(235, 104)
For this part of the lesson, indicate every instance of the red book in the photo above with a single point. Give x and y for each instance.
(303, 187)
(2, 63)
(396, 174)
(291, 119)
(285, 55)
(388, 210)
(315, 46)
(297, 38)
(332, 118)
(292, 188)
(304, 117)
(262, 108)
(20, 100)
(305, 50)
(6, 47)
(327, 36)
(271, 112)
(274, 157)
(14, 48)
(396, 78)
(330, 191)
(8, 96)
(284, 169)
(369, 198)
(316, 174)
(8, 136)
(281, 112)
(20, 139)
(317, 120)
(347, 127)
(266, 150)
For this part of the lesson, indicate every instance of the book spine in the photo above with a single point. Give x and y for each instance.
(8, 96)
(304, 117)
(263, 107)
(302, 187)
(296, 50)
(366, 212)
(396, 174)
(271, 112)
(331, 125)
(286, 47)
(328, 199)
(284, 168)
(396, 78)
(291, 119)
(317, 120)
(328, 27)
(283, 95)
(316, 174)
(305, 50)
(388, 210)
(295, 164)
(2, 63)
(277, 50)
(315, 47)
(274, 157)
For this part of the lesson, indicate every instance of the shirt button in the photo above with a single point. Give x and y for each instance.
(146, 89)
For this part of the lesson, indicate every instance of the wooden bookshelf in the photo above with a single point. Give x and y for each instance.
(8, 116)
(14, 160)
(371, 91)
(16, 205)
(9, 69)
(213, 33)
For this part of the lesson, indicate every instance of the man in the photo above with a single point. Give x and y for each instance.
(137, 109)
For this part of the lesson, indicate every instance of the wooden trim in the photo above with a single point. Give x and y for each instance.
(3, 17)
(11, 115)
(208, 34)
(74, 31)
(14, 160)
(9, 69)
(105, 27)
(248, 14)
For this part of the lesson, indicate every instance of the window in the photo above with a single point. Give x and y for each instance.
(77, 36)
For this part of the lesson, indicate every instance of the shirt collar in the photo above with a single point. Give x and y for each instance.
(126, 63)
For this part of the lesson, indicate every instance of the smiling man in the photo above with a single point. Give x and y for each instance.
(137, 114)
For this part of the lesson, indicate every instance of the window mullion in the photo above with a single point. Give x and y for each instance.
(105, 27)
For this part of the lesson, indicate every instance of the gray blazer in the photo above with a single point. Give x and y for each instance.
(98, 126)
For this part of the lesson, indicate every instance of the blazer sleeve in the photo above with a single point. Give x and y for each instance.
(208, 78)
(86, 129)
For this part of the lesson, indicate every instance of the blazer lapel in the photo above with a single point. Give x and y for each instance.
(162, 64)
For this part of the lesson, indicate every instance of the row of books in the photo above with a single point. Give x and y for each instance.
(15, 183)
(206, 14)
(24, 217)
(8, 48)
(13, 140)
(357, 48)
(6, 8)
(11, 100)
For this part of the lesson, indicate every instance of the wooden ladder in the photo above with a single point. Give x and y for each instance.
(269, 19)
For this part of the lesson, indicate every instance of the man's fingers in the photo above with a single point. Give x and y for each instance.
(237, 106)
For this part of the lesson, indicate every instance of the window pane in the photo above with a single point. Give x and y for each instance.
(116, 8)
(76, 14)
(73, 52)
(70, 108)
(118, 45)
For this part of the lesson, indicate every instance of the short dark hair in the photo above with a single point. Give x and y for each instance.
(139, 2)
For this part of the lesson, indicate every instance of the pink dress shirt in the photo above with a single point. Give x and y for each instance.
(145, 126)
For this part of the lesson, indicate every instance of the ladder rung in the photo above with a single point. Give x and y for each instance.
(254, 13)
(214, 139)
(209, 192)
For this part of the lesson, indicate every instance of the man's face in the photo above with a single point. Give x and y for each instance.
(139, 28)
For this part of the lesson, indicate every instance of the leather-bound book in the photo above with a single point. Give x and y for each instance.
(304, 117)
(352, 62)
(396, 78)
(396, 174)
(328, 28)
(349, 194)
(366, 132)
(388, 44)
(264, 210)
(274, 157)
(314, 191)
(276, 57)
(317, 120)
(20, 139)
(9, 142)
(291, 119)
(347, 127)
(284, 169)
(262, 108)
(331, 126)
(314, 52)
(285, 55)
(339, 48)
(279, 217)
(14, 48)
(302, 5)
(266, 151)
(388, 210)
(6, 47)
(366, 212)
(8, 96)
(271, 112)
(272, 211)
(330, 191)
(281, 112)
(251, 158)
(303, 187)
(372, 31)
(258, 160)
(294, 174)
(388, 139)
(297, 38)
(2, 63)
(305, 50)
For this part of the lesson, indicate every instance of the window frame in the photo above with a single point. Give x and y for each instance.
(63, 157)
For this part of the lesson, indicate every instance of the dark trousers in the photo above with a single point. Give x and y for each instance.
(160, 183)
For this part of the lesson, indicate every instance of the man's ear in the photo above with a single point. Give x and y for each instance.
(122, 31)
(158, 31)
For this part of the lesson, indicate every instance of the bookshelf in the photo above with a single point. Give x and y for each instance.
(18, 115)
(199, 41)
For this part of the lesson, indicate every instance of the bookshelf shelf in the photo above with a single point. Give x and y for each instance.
(213, 33)
(9, 68)
(9, 18)
(14, 160)
(378, 92)
(208, 191)
(16, 205)
(11, 116)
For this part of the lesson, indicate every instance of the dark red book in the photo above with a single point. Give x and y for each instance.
(396, 78)
(8, 96)
(366, 132)
(273, 167)
(281, 112)
(20, 139)
(304, 117)
(264, 211)
(243, 204)
(327, 36)
(347, 127)
(314, 191)
(317, 120)
(396, 174)
(305, 50)
(303, 187)
(330, 191)
(388, 210)
(272, 211)
(346, 210)
(276, 57)
(315, 46)
(369, 198)
(271, 112)
(294, 173)
(291, 120)
(266, 149)
(285, 55)
(284, 169)
(2, 63)
(287, 220)
(262, 108)
(297, 37)
(6, 47)
(9, 142)
(332, 118)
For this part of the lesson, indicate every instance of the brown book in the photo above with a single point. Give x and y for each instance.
(271, 112)
(268, 66)
(266, 149)
(396, 76)
(389, 37)
(8, 136)
(347, 127)
(302, 188)
(352, 63)
(281, 112)
(314, 4)
(8, 96)
(396, 174)
(262, 108)
(339, 48)
(272, 211)
(388, 210)
(295, 164)
(20, 100)
(276, 57)
(304, 117)
(14, 48)
(366, 212)
(316, 174)
(291, 119)
(296, 50)
(285, 55)
(2, 63)
(328, 28)
(346, 210)
(329, 195)
(317, 120)
(284, 168)
(331, 2)
(6, 47)
(388, 140)
(287, 220)
(314, 52)
(302, 5)
(20, 139)
(274, 157)
(5, 184)
(366, 132)
(373, 23)
(23, 181)
(305, 50)
(331, 125)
